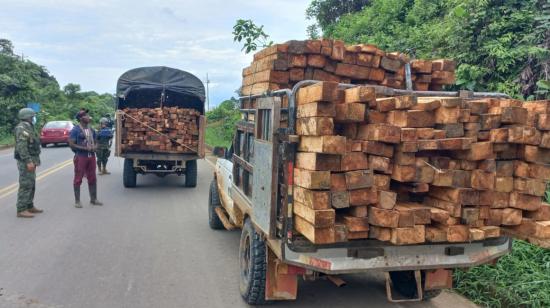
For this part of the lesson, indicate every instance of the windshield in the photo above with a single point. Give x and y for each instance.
(56, 124)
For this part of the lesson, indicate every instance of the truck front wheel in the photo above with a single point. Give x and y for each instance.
(253, 265)
(214, 202)
(191, 173)
(129, 176)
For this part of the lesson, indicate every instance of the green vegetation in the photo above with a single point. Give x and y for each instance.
(252, 36)
(221, 123)
(520, 279)
(23, 81)
(500, 45)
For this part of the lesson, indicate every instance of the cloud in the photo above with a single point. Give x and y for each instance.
(92, 42)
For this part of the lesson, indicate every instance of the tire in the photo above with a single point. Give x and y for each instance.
(191, 173)
(214, 202)
(253, 265)
(129, 176)
(44, 145)
(405, 284)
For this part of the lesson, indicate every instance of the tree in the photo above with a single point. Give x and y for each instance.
(71, 90)
(252, 35)
(327, 12)
(6, 47)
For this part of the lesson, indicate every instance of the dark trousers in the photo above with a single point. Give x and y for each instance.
(84, 166)
(27, 184)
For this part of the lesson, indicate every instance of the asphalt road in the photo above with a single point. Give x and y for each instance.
(146, 247)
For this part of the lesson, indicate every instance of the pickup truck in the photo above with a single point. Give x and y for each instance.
(252, 189)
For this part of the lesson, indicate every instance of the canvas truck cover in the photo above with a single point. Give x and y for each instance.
(159, 86)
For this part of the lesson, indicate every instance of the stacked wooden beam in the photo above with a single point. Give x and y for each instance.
(410, 170)
(165, 130)
(283, 65)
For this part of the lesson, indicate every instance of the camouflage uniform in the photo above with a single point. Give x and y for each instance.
(27, 150)
(103, 151)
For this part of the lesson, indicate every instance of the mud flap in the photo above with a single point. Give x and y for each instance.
(282, 279)
(389, 285)
(438, 279)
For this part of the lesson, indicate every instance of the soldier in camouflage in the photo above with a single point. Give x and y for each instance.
(103, 142)
(27, 154)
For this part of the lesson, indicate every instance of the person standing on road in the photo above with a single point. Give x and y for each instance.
(110, 122)
(27, 154)
(104, 142)
(82, 142)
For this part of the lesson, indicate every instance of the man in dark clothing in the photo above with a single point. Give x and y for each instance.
(27, 154)
(103, 141)
(82, 142)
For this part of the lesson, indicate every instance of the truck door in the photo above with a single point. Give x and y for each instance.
(264, 192)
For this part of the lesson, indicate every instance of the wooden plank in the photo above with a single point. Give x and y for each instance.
(323, 144)
(377, 148)
(319, 92)
(312, 179)
(456, 233)
(542, 214)
(435, 235)
(447, 115)
(454, 209)
(383, 218)
(386, 199)
(379, 132)
(315, 199)
(532, 187)
(358, 211)
(318, 161)
(411, 118)
(354, 161)
(321, 109)
(360, 94)
(317, 218)
(355, 224)
(404, 173)
(315, 126)
(350, 113)
(364, 196)
(510, 216)
(408, 236)
(465, 196)
(524, 202)
(379, 163)
(482, 180)
(359, 179)
(315, 235)
(380, 233)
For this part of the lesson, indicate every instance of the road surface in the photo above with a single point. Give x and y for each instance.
(146, 247)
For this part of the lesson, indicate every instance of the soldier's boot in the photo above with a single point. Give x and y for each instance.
(35, 210)
(77, 203)
(105, 169)
(25, 214)
(93, 195)
(99, 168)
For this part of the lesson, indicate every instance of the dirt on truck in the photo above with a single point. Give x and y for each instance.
(160, 123)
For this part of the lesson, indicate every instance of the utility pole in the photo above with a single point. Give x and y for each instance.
(207, 93)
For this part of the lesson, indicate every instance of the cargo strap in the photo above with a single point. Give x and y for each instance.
(155, 130)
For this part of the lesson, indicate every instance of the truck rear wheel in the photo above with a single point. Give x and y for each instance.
(253, 265)
(129, 176)
(191, 173)
(405, 284)
(214, 202)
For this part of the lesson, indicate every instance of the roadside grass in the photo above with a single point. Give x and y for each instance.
(215, 135)
(519, 279)
(6, 140)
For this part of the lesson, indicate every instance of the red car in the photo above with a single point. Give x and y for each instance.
(55, 132)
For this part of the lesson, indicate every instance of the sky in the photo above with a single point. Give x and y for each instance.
(92, 42)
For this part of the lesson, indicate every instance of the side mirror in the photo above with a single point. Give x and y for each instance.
(219, 151)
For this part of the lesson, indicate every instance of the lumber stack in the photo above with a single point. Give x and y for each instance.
(411, 170)
(283, 65)
(164, 130)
